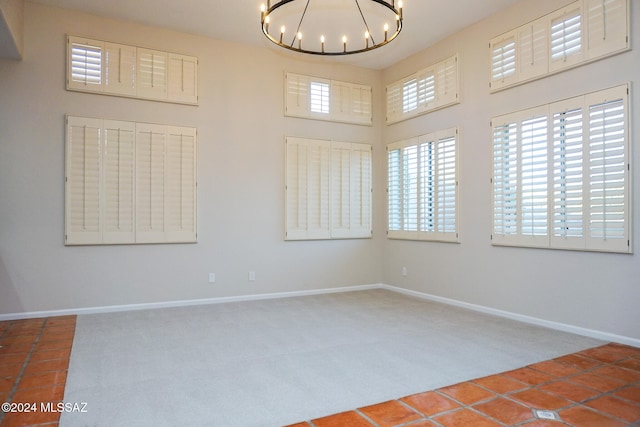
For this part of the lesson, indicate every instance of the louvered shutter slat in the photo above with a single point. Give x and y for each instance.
(85, 64)
(608, 172)
(120, 66)
(180, 197)
(182, 79)
(151, 74)
(83, 190)
(150, 183)
(607, 27)
(118, 178)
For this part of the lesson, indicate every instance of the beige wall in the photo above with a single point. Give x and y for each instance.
(11, 28)
(590, 290)
(241, 131)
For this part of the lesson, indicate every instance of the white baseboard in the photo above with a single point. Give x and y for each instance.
(591, 333)
(605, 336)
(182, 303)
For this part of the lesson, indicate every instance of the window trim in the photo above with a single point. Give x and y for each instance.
(173, 88)
(507, 209)
(316, 194)
(589, 52)
(349, 107)
(443, 95)
(400, 230)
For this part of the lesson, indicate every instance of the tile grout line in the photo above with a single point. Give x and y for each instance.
(16, 383)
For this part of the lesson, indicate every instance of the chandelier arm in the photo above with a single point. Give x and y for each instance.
(300, 23)
(365, 22)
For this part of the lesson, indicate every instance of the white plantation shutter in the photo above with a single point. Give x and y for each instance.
(502, 51)
(447, 186)
(351, 183)
(608, 27)
(394, 188)
(608, 166)
(361, 104)
(428, 181)
(505, 179)
(180, 195)
(422, 187)
(297, 95)
(130, 71)
(579, 33)
(129, 182)
(118, 182)
(532, 51)
(566, 37)
(409, 95)
(447, 82)
(533, 176)
(150, 182)
(307, 189)
(411, 188)
(426, 90)
(568, 227)
(120, 69)
(561, 177)
(83, 190)
(182, 81)
(152, 74)
(394, 102)
(84, 64)
(340, 100)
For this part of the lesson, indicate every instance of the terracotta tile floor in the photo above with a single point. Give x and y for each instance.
(598, 387)
(34, 357)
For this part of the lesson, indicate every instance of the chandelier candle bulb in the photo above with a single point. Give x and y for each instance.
(266, 23)
(366, 38)
(281, 33)
(322, 42)
(299, 40)
(344, 42)
(386, 28)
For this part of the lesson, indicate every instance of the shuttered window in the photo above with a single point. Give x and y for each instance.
(331, 100)
(566, 37)
(561, 174)
(422, 187)
(503, 58)
(85, 64)
(319, 97)
(581, 32)
(120, 65)
(328, 189)
(123, 70)
(426, 90)
(129, 182)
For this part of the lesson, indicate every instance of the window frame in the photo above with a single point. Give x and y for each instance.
(535, 40)
(403, 105)
(414, 210)
(347, 102)
(571, 164)
(328, 190)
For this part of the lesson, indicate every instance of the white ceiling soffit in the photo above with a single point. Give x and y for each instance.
(425, 21)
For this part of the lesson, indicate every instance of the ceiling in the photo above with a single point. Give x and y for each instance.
(425, 21)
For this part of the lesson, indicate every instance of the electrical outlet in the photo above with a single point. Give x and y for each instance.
(252, 276)
(212, 277)
(404, 271)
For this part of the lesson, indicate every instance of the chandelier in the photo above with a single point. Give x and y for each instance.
(331, 27)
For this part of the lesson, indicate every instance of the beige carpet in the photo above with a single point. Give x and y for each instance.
(275, 362)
